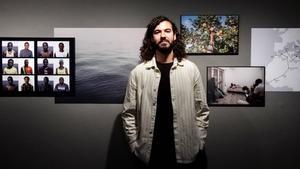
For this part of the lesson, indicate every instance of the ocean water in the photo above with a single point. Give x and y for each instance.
(104, 59)
(101, 77)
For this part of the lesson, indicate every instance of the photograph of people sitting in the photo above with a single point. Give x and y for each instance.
(255, 95)
(214, 92)
(239, 86)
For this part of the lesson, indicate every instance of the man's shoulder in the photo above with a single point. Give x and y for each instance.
(139, 67)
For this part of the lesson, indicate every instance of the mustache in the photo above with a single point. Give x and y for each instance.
(164, 40)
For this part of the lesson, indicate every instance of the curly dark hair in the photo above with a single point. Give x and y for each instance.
(148, 48)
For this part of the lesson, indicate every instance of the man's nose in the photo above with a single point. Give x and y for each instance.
(163, 35)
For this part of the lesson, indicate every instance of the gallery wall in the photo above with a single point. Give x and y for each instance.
(243, 76)
(36, 133)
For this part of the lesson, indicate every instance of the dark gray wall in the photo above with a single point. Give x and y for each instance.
(35, 133)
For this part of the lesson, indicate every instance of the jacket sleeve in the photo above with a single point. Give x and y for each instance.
(129, 113)
(202, 110)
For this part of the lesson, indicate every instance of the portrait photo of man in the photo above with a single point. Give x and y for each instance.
(46, 69)
(46, 51)
(10, 69)
(61, 86)
(26, 69)
(61, 52)
(46, 86)
(61, 69)
(10, 85)
(27, 86)
(26, 52)
(10, 51)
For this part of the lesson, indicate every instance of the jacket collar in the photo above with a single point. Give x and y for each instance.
(151, 64)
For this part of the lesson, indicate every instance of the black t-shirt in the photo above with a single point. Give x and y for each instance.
(163, 146)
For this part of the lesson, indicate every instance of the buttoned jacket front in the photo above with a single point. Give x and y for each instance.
(189, 104)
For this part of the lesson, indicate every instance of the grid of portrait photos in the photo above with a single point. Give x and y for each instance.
(236, 86)
(37, 66)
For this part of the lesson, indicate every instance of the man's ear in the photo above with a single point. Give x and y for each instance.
(174, 36)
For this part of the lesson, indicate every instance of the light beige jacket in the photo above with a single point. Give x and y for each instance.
(189, 108)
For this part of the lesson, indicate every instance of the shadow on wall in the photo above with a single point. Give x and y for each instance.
(119, 155)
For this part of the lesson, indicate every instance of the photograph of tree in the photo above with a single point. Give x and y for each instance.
(210, 34)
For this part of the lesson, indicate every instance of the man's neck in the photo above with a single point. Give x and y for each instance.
(162, 58)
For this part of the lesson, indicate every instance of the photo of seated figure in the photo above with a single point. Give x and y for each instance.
(26, 69)
(61, 52)
(10, 85)
(213, 91)
(61, 86)
(61, 70)
(46, 86)
(255, 95)
(26, 52)
(10, 69)
(46, 51)
(236, 86)
(26, 86)
(46, 69)
(10, 51)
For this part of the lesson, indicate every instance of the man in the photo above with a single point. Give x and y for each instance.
(26, 69)
(26, 52)
(10, 87)
(46, 87)
(257, 94)
(45, 53)
(61, 52)
(45, 69)
(61, 86)
(9, 52)
(165, 114)
(61, 70)
(10, 69)
(26, 86)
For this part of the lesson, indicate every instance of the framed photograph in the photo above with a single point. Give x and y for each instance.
(37, 66)
(210, 34)
(105, 57)
(236, 86)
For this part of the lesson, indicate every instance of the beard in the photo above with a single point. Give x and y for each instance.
(163, 47)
